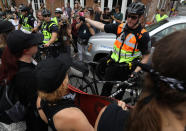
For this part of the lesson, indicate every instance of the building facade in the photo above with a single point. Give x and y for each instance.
(151, 5)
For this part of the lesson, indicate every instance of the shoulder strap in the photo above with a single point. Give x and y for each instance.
(138, 35)
(120, 29)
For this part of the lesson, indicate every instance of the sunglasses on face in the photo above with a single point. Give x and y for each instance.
(132, 17)
(46, 15)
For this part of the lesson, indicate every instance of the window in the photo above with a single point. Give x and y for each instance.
(154, 26)
(169, 30)
(36, 4)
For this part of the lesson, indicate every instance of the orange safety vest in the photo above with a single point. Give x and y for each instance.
(129, 49)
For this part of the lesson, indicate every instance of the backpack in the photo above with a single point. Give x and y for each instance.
(9, 102)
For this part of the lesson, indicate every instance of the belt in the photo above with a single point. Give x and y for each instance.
(123, 64)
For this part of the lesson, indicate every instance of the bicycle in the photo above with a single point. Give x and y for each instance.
(89, 84)
(47, 52)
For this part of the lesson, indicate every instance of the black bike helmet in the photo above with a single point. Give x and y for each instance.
(23, 8)
(45, 12)
(136, 8)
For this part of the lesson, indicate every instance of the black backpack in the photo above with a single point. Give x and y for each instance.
(9, 102)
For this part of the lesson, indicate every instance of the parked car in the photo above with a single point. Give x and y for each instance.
(101, 44)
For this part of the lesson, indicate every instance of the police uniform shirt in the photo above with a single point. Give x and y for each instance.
(53, 28)
(31, 20)
(144, 46)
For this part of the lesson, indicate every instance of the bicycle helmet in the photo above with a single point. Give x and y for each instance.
(24, 8)
(45, 12)
(58, 10)
(136, 8)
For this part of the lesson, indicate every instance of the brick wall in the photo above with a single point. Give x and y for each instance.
(18, 2)
(53, 5)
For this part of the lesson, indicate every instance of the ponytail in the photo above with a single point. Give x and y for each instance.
(8, 67)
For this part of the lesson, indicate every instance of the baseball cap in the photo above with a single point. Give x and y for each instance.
(6, 26)
(51, 73)
(17, 41)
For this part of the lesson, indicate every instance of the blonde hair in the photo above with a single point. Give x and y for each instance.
(55, 95)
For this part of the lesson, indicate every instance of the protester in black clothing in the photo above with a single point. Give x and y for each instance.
(85, 31)
(18, 70)
(55, 103)
(106, 17)
(162, 104)
(65, 37)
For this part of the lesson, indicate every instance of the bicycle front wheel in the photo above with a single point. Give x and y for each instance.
(82, 83)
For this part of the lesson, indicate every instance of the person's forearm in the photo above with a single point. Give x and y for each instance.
(92, 32)
(118, 21)
(19, 26)
(53, 38)
(78, 25)
(96, 24)
(144, 61)
(106, 20)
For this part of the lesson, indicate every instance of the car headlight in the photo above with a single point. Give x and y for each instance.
(89, 47)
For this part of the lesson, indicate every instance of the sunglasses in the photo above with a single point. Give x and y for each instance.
(132, 17)
(46, 15)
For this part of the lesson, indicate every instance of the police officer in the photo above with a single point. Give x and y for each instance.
(26, 20)
(133, 42)
(50, 31)
(57, 17)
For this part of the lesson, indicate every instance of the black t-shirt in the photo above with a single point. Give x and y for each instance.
(106, 16)
(114, 118)
(84, 32)
(24, 83)
(31, 20)
(144, 43)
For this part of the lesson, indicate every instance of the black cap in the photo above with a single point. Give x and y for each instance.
(6, 26)
(51, 73)
(17, 41)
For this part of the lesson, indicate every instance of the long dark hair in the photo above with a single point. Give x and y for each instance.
(8, 67)
(169, 60)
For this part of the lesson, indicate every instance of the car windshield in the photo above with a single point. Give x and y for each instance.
(156, 25)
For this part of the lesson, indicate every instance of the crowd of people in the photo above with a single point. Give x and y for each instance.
(66, 19)
(41, 95)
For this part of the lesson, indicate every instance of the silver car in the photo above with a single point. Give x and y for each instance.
(101, 44)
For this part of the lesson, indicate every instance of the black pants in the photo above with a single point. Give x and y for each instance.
(75, 43)
(115, 73)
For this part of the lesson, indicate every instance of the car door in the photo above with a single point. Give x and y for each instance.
(167, 31)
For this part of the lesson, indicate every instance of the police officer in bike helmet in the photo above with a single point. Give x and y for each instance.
(132, 43)
(26, 21)
(50, 31)
(57, 17)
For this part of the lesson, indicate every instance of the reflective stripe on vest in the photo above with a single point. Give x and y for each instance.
(46, 33)
(159, 18)
(25, 24)
(128, 46)
(55, 20)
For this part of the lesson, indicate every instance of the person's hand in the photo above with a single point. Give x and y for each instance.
(112, 16)
(60, 23)
(88, 25)
(122, 105)
(47, 45)
(82, 18)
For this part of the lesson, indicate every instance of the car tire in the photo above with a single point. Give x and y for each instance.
(101, 67)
